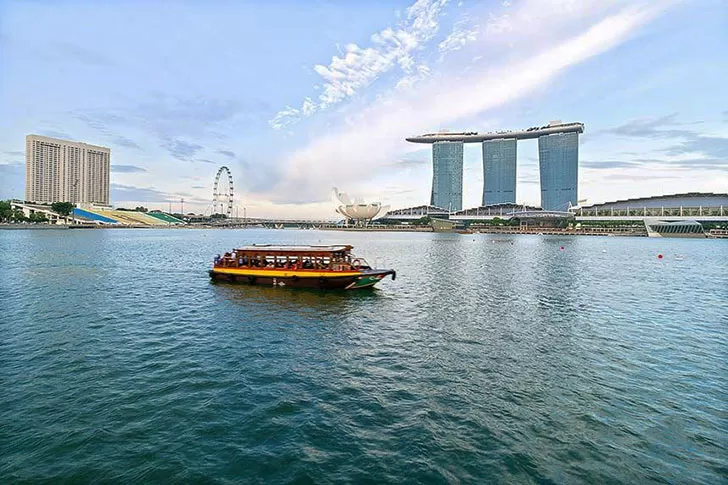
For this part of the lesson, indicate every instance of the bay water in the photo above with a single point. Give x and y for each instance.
(490, 359)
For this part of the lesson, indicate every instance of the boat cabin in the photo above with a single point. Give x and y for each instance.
(266, 256)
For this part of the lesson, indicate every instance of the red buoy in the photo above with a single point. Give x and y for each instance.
(659, 256)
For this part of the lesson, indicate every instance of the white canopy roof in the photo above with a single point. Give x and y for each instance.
(295, 248)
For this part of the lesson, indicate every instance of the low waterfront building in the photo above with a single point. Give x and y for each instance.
(410, 214)
(658, 228)
(701, 206)
(676, 215)
(491, 211)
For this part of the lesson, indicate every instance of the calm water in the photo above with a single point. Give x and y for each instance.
(491, 359)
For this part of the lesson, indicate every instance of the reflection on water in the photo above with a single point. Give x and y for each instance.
(294, 299)
(490, 358)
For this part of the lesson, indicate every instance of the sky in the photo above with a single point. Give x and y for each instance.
(298, 97)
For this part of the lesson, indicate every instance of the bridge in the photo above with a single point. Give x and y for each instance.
(53, 217)
(273, 223)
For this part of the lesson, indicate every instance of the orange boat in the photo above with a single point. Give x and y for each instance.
(325, 267)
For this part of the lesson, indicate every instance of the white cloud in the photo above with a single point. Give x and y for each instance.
(375, 137)
(461, 35)
(408, 81)
(284, 118)
(308, 107)
(358, 67)
(499, 24)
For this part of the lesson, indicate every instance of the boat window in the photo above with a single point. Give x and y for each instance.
(275, 260)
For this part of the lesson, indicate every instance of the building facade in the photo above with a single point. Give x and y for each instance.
(447, 175)
(558, 144)
(691, 204)
(558, 158)
(66, 171)
(499, 171)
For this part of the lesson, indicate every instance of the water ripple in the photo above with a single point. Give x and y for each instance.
(121, 362)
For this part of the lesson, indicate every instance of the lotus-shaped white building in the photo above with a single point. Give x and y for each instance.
(357, 211)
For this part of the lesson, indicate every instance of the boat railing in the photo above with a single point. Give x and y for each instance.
(291, 263)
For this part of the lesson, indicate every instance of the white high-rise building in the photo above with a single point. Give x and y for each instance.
(66, 171)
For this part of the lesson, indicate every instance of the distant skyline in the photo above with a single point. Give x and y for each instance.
(297, 97)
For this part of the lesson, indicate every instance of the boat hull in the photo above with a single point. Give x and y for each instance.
(349, 280)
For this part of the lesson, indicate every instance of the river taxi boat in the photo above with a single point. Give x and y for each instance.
(324, 267)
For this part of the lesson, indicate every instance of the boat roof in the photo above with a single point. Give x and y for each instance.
(273, 248)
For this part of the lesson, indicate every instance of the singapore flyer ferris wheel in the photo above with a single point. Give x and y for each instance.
(222, 194)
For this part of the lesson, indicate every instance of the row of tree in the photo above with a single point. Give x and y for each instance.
(8, 214)
(136, 209)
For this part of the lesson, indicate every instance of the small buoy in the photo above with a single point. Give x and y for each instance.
(561, 248)
(659, 256)
(604, 250)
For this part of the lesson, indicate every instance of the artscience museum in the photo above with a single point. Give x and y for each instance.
(357, 212)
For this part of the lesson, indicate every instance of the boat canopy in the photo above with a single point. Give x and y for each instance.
(269, 248)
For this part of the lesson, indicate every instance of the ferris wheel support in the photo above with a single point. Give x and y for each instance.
(223, 197)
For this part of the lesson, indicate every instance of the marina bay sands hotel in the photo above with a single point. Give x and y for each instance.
(558, 158)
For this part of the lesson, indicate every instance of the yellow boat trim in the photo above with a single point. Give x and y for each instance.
(282, 273)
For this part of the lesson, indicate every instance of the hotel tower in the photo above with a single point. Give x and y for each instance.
(558, 160)
(66, 171)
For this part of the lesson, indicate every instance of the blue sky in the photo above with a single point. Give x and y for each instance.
(297, 97)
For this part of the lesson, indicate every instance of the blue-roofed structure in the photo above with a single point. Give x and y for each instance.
(90, 216)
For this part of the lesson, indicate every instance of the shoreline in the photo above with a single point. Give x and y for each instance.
(609, 232)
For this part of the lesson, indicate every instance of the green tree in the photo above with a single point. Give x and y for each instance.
(141, 209)
(38, 217)
(18, 216)
(6, 212)
(62, 208)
